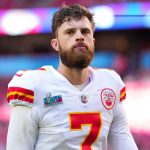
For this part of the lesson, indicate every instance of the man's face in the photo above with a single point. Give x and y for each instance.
(76, 43)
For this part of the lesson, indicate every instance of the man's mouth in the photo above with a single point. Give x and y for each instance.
(80, 46)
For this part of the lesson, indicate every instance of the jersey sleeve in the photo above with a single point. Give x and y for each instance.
(120, 137)
(25, 115)
(21, 89)
(23, 129)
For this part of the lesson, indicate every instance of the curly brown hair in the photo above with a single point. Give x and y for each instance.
(68, 13)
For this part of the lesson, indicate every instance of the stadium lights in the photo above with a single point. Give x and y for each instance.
(103, 17)
(16, 22)
(107, 17)
(147, 19)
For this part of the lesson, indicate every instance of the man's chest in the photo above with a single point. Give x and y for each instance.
(77, 117)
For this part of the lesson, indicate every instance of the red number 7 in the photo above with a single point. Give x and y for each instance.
(92, 119)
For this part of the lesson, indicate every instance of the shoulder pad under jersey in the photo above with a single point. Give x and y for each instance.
(21, 89)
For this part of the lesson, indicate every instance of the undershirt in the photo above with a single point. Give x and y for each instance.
(83, 85)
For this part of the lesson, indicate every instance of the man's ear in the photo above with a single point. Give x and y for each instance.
(55, 45)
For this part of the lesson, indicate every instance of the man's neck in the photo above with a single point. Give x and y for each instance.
(74, 76)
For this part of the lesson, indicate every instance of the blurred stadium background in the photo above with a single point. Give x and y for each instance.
(122, 43)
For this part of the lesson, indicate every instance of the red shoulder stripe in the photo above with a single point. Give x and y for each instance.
(122, 94)
(19, 89)
(18, 93)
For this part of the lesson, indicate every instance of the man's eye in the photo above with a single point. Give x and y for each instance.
(70, 32)
(85, 32)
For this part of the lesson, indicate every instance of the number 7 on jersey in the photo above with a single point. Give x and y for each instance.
(92, 119)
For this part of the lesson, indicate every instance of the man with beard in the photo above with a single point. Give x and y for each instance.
(74, 107)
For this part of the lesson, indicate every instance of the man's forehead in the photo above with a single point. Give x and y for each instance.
(77, 23)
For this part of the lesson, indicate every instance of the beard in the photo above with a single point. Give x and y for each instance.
(76, 58)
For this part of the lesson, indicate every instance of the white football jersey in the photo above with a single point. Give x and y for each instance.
(61, 117)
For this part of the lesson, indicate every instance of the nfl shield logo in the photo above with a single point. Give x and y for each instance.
(108, 98)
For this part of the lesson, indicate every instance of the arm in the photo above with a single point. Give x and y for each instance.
(23, 129)
(120, 137)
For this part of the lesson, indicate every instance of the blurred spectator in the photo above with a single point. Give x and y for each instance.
(120, 64)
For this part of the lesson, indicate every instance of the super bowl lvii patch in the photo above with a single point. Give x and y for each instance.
(52, 100)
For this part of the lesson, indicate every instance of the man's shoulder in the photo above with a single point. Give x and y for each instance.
(105, 71)
(108, 76)
(23, 74)
(110, 79)
(21, 89)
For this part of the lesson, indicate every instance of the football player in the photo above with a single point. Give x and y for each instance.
(75, 107)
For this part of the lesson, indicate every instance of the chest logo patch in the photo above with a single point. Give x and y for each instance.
(108, 98)
(52, 100)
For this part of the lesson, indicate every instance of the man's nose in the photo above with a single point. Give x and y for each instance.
(79, 36)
